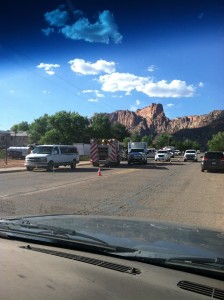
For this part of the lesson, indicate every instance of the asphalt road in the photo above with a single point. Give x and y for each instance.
(177, 192)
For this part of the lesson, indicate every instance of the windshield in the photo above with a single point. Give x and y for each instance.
(42, 150)
(121, 93)
(136, 150)
(214, 155)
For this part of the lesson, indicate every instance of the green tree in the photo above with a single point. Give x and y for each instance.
(126, 140)
(65, 128)
(119, 131)
(136, 137)
(15, 129)
(217, 142)
(189, 144)
(23, 126)
(147, 139)
(38, 128)
(101, 126)
(60, 128)
(163, 140)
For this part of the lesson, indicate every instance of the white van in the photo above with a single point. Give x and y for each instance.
(52, 156)
(18, 152)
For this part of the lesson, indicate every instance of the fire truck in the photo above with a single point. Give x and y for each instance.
(104, 152)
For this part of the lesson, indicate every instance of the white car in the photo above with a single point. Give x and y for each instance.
(190, 154)
(162, 155)
(177, 152)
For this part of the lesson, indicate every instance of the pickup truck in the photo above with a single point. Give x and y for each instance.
(190, 154)
(137, 152)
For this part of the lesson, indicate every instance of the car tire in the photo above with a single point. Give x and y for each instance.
(73, 165)
(185, 160)
(202, 170)
(50, 166)
(29, 168)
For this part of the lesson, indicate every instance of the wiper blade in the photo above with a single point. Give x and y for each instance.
(205, 260)
(216, 261)
(52, 234)
(166, 259)
(55, 231)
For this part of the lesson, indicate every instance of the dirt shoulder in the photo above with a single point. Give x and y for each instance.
(11, 163)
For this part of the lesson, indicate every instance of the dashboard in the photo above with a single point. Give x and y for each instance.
(33, 271)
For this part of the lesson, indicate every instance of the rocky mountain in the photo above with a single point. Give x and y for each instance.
(152, 120)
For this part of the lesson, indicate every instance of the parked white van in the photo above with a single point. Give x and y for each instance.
(18, 152)
(52, 156)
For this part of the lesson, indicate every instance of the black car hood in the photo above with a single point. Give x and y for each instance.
(140, 234)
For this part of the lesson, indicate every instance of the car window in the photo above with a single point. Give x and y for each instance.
(214, 155)
(68, 150)
(42, 150)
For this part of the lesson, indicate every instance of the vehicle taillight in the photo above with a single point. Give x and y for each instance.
(205, 158)
(222, 158)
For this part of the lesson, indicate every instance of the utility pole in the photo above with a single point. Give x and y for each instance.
(6, 147)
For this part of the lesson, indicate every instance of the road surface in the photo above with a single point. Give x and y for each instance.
(177, 192)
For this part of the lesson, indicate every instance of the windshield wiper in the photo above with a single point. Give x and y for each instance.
(218, 262)
(55, 235)
(55, 231)
(167, 259)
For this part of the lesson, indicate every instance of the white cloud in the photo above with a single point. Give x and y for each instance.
(170, 104)
(103, 30)
(48, 31)
(174, 89)
(96, 92)
(152, 68)
(48, 68)
(127, 82)
(117, 96)
(93, 100)
(87, 68)
(11, 91)
(135, 107)
(201, 84)
(57, 17)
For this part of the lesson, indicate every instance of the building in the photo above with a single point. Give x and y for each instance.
(10, 138)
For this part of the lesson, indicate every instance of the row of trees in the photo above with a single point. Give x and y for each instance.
(70, 127)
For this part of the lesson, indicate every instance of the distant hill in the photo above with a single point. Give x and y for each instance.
(152, 120)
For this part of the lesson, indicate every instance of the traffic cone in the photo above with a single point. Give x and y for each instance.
(99, 172)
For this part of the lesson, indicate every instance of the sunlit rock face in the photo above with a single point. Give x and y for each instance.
(151, 120)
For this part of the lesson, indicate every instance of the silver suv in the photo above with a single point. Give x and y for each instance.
(163, 155)
(190, 154)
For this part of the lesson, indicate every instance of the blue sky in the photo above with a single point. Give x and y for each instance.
(99, 56)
